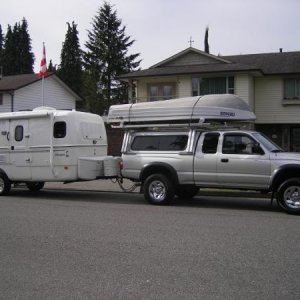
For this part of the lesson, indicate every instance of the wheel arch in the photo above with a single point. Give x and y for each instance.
(284, 173)
(161, 168)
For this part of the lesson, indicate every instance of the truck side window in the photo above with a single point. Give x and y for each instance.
(60, 130)
(19, 131)
(210, 143)
(239, 144)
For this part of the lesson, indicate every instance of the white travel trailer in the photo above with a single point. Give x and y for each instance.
(52, 145)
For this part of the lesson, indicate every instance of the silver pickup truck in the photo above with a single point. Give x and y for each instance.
(184, 151)
(179, 162)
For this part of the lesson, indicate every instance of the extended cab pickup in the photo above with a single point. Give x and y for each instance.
(179, 162)
(185, 151)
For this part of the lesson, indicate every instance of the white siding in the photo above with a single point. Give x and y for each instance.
(268, 103)
(6, 103)
(141, 90)
(55, 95)
(191, 59)
(184, 87)
(244, 88)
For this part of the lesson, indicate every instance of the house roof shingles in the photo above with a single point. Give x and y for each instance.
(14, 82)
(266, 63)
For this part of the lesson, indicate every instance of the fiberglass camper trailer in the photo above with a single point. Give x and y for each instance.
(52, 145)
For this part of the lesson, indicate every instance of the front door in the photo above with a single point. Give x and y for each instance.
(242, 163)
(20, 156)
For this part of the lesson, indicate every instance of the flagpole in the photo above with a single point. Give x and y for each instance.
(43, 91)
(43, 72)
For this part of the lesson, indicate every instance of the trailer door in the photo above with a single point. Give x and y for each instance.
(20, 155)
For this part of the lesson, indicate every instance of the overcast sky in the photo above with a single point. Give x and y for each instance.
(162, 28)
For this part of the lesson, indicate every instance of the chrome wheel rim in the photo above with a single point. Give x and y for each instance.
(291, 197)
(157, 190)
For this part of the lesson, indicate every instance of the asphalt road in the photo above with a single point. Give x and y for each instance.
(59, 244)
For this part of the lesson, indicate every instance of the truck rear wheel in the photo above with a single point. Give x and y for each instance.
(5, 184)
(158, 189)
(288, 196)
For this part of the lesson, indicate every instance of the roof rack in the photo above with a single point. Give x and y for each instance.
(182, 112)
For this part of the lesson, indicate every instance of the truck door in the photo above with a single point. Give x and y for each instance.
(19, 150)
(242, 163)
(205, 161)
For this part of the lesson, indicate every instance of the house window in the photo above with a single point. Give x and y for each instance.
(153, 93)
(292, 88)
(161, 91)
(167, 92)
(216, 85)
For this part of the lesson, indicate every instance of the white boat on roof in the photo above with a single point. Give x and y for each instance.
(188, 111)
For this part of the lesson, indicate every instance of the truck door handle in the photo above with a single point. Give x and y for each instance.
(224, 160)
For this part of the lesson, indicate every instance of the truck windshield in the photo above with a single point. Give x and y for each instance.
(267, 143)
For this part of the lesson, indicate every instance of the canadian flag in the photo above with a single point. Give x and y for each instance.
(43, 70)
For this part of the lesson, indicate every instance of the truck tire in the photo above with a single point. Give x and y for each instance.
(187, 191)
(158, 189)
(288, 196)
(35, 186)
(5, 184)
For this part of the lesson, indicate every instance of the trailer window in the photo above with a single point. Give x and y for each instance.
(60, 130)
(19, 133)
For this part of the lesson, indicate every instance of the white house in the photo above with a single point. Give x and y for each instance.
(269, 82)
(26, 91)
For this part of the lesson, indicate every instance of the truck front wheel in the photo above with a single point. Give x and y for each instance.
(158, 189)
(288, 196)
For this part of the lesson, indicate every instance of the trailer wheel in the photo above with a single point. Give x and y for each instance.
(5, 184)
(187, 191)
(288, 196)
(35, 186)
(158, 189)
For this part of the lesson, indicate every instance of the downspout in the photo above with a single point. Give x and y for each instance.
(12, 94)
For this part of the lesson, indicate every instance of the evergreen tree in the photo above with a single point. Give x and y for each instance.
(9, 53)
(51, 68)
(206, 45)
(70, 69)
(106, 58)
(17, 57)
(25, 54)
